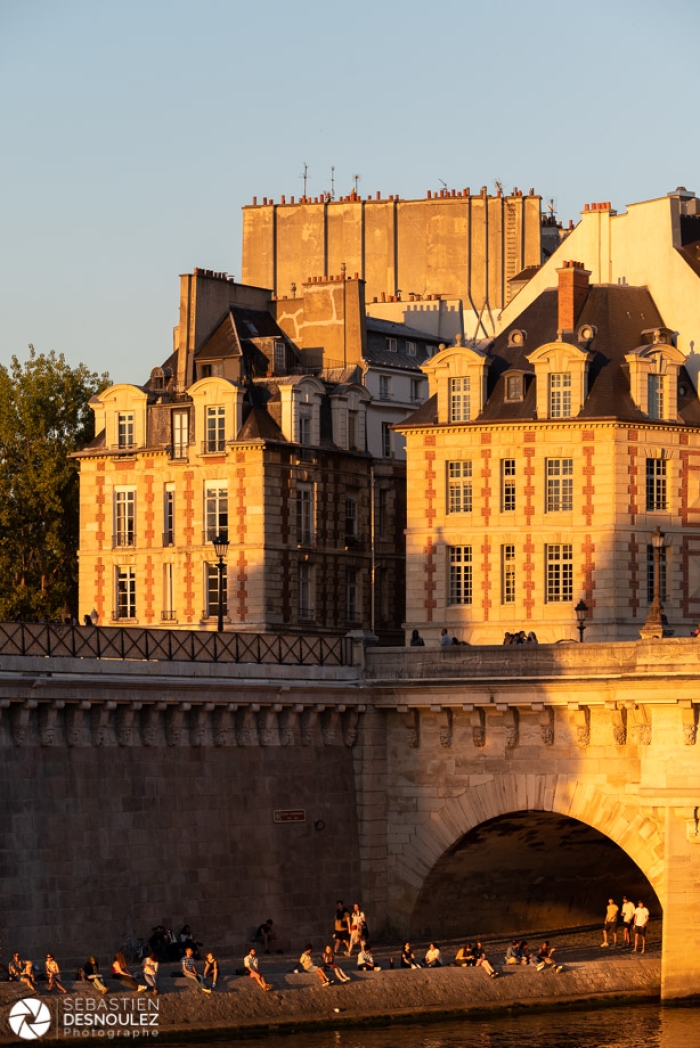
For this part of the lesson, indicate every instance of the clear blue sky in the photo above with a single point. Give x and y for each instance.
(133, 133)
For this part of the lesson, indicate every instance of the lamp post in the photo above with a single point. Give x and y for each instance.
(581, 610)
(221, 549)
(656, 624)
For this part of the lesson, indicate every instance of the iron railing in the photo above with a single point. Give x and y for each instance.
(153, 645)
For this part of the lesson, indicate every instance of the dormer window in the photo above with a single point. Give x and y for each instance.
(460, 399)
(392, 345)
(657, 396)
(653, 378)
(514, 387)
(560, 395)
(125, 429)
(280, 358)
(305, 424)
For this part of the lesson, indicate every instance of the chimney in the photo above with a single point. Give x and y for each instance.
(573, 291)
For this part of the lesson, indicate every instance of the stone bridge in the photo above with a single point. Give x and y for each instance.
(452, 791)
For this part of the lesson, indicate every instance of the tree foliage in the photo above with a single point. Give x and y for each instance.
(44, 416)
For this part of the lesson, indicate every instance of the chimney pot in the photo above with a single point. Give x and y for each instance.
(291, 200)
(255, 201)
(282, 199)
(264, 200)
(429, 194)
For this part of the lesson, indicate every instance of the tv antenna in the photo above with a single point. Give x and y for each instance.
(332, 182)
(550, 206)
(444, 184)
(356, 179)
(305, 176)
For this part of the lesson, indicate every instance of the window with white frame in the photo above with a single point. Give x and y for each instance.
(169, 515)
(460, 399)
(508, 574)
(459, 487)
(125, 593)
(125, 429)
(305, 420)
(306, 607)
(305, 514)
(352, 603)
(416, 390)
(560, 394)
(508, 485)
(386, 440)
(392, 345)
(384, 387)
(559, 581)
(211, 591)
(560, 485)
(216, 429)
(181, 433)
(459, 590)
(353, 430)
(215, 511)
(663, 575)
(656, 484)
(656, 390)
(411, 349)
(514, 387)
(124, 517)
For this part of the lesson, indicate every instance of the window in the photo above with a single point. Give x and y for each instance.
(124, 517)
(168, 612)
(304, 424)
(411, 349)
(215, 511)
(181, 434)
(351, 595)
(211, 591)
(125, 429)
(460, 582)
(656, 484)
(386, 440)
(351, 518)
(560, 573)
(416, 386)
(663, 596)
(560, 485)
(514, 387)
(384, 387)
(305, 597)
(216, 427)
(507, 485)
(125, 593)
(507, 574)
(460, 400)
(560, 395)
(305, 514)
(459, 487)
(656, 393)
(280, 358)
(392, 345)
(169, 515)
(353, 442)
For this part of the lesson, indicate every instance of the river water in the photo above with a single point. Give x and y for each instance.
(641, 1026)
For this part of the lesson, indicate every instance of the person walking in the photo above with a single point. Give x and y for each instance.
(641, 919)
(627, 913)
(610, 924)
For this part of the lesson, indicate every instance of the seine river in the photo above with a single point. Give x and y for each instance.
(643, 1026)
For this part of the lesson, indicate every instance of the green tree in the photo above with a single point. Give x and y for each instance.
(44, 416)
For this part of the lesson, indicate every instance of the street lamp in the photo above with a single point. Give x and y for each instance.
(221, 549)
(581, 610)
(656, 624)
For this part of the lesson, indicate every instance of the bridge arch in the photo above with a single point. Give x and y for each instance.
(543, 805)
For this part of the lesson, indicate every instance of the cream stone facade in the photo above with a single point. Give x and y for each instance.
(542, 466)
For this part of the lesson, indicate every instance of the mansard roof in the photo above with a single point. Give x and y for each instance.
(379, 330)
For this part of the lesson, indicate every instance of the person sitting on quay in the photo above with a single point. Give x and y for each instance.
(545, 958)
(266, 934)
(465, 957)
(365, 960)
(408, 958)
(186, 939)
(482, 961)
(53, 974)
(308, 965)
(189, 970)
(512, 953)
(250, 962)
(330, 965)
(92, 974)
(123, 975)
(150, 971)
(524, 952)
(21, 971)
(211, 969)
(433, 957)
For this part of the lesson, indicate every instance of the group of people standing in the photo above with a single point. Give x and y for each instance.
(634, 924)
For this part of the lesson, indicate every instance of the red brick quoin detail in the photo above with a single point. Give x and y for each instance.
(633, 486)
(633, 568)
(588, 568)
(486, 476)
(430, 492)
(100, 514)
(589, 486)
(529, 489)
(100, 589)
(528, 583)
(149, 589)
(690, 485)
(486, 585)
(429, 584)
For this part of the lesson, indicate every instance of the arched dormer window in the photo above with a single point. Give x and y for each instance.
(349, 413)
(301, 410)
(561, 373)
(458, 376)
(653, 376)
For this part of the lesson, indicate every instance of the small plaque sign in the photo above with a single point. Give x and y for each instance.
(290, 815)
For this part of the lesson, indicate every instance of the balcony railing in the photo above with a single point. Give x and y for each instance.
(124, 642)
(124, 539)
(168, 616)
(213, 446)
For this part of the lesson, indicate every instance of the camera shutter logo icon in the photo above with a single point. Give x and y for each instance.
(30, 1019)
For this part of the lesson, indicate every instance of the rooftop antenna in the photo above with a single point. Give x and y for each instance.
(305, 176)
(444, 184)
(499, 187)
(550, 206)
(332, 182)
(356, 179)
